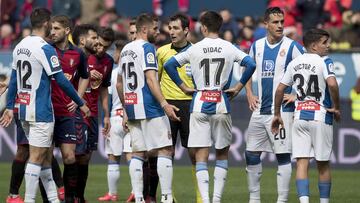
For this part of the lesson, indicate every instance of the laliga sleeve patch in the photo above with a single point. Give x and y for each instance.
(331, 68)
(54, 61)
(150, 58)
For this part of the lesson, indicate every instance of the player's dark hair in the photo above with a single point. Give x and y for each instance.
(107, 34)
(132, 22)
(314, 35)
(64, 20)
(120, 43)
(143, 20)
(183, 19)
(272, 10)
(81, 30)
(39, 16)
(212, 20)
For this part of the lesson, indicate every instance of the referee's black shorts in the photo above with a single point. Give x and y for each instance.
(181, 127)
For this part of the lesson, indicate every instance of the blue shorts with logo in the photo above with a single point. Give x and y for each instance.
(87, 134)
(64, 130)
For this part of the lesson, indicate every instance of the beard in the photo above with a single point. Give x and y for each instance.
(151, 38)
(90, 49)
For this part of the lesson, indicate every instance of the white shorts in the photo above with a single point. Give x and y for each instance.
(127, 143)
(114, 143)
(260, 138)
(209, 129)
(148, 134)
(39, 134)
(312, 139)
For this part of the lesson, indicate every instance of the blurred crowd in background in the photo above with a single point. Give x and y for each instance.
(335, 16)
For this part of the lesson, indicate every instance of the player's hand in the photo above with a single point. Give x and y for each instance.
(96, 75)
(71, 107)
(232, 92)
(85, 110)
(187, 90)
(275, 124)
(124, 123)
(289, 98)
(6, 118)
(253, 102)
(3, 87)
(170, 112)
(107, 126)
(336, 112)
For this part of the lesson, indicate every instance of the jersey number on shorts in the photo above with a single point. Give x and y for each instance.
(280, 135)
(24, 67)
(206, 63)
(130, 73)
(312, 87)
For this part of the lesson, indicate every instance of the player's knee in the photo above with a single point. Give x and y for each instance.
(283, 158)
(252, 158)
(68, 157)
(165, 151)
(22, 153)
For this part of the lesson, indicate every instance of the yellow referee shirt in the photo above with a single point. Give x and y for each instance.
(169, 89)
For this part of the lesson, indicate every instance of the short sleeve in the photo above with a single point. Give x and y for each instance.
(49, 60)
(149, 57)
(252, 50)
(183, 57)
(297, 50)
(329, 68)
(239, 55)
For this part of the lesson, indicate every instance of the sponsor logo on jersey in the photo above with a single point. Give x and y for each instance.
(268, 69)
(150, 58)
(130, 98)
(23, 98)
(211, 96)
(309, 105)
(54, 61)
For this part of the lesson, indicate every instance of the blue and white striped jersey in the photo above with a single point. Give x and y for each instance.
(308, 74)
(35, 61)
(271, 62)
(136, 58)
(211, 63)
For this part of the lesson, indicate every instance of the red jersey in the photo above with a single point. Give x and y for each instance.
(73, 64)
(104, 66)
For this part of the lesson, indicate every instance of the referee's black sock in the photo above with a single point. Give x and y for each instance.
(146, 178)
(154, 178)
(17, 176)
(83, 171)
(56, 173)
(70, 181)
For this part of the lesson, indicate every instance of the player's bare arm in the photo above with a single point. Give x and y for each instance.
(277, 120)
(104, 102)
(289, 98)
(186, 89)
(3, 87)
(334, 93)
(154, 86)
(234, 91)
(120, 90)
(253, 100)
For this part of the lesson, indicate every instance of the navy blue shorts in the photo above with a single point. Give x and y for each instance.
(64, 130)
(21, 138)
(86, 134)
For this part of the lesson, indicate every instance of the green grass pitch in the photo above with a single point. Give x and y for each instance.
(345, 185)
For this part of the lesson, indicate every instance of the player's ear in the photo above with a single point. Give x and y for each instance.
(67, 30)
(186, 31)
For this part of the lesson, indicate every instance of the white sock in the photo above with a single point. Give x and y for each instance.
(283, 182)
(32, 174)
(113, 175)
(254, 173)
(165, 172)
(49, 184)
(202, 175)
(304, 199)
(136, 175)
(220, 174)
(324, 200)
